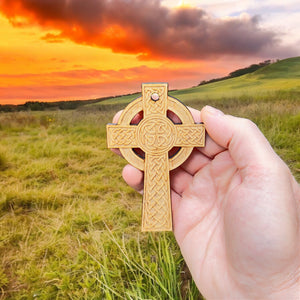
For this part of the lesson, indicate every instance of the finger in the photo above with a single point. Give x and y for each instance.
(180, 180)
(246, 144)
(196, 114)
(116, 151)
(134, 178)
(117, 117)
(195, 162)
(176, 199)
(211, 148)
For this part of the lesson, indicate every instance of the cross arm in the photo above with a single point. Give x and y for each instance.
(190, 135)
(121, 136)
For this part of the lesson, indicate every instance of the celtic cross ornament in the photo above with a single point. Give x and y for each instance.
(156, 135)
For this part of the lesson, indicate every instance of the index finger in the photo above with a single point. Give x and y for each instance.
(211, 148)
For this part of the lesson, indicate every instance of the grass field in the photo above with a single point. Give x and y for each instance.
(69, 225)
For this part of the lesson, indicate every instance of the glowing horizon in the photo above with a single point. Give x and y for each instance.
(70, 50)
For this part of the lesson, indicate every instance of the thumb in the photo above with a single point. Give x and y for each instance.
(245, 142)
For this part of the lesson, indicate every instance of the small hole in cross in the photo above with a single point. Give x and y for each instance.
(155, 97)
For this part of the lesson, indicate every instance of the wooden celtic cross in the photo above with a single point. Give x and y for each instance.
(156, 135)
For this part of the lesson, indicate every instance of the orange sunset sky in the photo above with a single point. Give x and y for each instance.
(80, 49)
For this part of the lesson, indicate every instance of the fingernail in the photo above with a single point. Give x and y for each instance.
(213, 111)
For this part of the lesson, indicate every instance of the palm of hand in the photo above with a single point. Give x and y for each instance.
(230, 241)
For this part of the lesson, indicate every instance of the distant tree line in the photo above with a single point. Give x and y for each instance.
(40, 106)
(239, 72)
(63, 105)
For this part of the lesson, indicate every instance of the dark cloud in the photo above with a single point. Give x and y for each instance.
(143, 27)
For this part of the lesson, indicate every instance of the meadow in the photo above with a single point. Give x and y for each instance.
(70, 226)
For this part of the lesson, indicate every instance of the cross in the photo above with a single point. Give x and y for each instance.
(156, 135)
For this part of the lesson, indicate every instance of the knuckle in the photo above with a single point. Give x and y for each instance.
(246, 123)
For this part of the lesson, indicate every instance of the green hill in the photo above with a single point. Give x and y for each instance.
(287, 68)
(283, 75)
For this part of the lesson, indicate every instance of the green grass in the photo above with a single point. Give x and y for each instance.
(70, 226)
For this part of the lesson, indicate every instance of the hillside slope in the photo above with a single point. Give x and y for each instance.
(283, 75)
(287, 68)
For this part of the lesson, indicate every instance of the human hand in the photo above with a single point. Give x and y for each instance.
(236, 213)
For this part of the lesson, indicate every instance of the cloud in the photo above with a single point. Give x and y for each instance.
(144, 28)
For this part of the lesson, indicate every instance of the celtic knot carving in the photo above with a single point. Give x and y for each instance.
(155, 107)
(187, 136)
(157, 206)
(122, 136)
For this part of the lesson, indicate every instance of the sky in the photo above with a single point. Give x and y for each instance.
(83, 49)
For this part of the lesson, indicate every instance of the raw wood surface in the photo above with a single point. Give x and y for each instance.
(156, 135)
